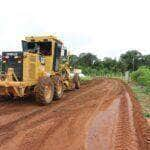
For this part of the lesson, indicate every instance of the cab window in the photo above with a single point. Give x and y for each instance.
(44, 48)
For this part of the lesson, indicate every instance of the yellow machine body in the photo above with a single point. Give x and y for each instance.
(35, 65)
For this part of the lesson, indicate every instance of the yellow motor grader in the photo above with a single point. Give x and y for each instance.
(41, 69)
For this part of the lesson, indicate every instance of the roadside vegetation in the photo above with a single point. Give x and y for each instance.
(92, 66)
(141, 87)
(143, 97)
(85, 79)
(142, 77)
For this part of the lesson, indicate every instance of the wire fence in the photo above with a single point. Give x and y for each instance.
(123, 76)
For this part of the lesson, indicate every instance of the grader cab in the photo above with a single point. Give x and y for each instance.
(41, 69)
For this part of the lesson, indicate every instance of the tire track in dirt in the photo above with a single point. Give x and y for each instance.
(125, 135)
(100, 126)
(84, 119)
(17, 123)
(116, 120)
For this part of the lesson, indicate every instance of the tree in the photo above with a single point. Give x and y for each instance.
(131, 59)
(87, 59)
(73, 60)
(146, 60)
(110, 64)
(98, 64)
(121, 66)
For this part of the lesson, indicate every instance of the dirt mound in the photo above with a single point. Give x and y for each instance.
(103, 114)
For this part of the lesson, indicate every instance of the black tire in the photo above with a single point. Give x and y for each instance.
(58, 88)
(44, 91)
(76, 81)
(7, 98)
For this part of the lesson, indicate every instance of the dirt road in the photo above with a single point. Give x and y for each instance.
(102, 115)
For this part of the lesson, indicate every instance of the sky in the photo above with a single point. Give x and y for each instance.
(106, 28)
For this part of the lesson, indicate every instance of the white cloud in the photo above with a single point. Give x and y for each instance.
(106, 28)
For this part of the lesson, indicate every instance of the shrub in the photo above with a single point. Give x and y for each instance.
(142, 76)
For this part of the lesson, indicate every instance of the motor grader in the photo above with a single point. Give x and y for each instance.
(41, 69)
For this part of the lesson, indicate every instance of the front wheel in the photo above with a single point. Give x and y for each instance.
(44, 91)
(58, 88)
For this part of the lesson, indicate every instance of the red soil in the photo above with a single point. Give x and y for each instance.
(102, 115)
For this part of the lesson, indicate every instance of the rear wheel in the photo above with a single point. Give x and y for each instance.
(7, 98)
(58, 88)
(44, 91)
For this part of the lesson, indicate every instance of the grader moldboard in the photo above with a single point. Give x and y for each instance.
(41, 69)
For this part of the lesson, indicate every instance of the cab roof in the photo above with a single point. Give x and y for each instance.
(42, 39)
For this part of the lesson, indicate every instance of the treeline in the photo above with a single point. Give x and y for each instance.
(92, 65)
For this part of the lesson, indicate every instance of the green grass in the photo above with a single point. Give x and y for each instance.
(85, 79)
(143, 97)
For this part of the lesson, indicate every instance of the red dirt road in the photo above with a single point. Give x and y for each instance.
(102, 115)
